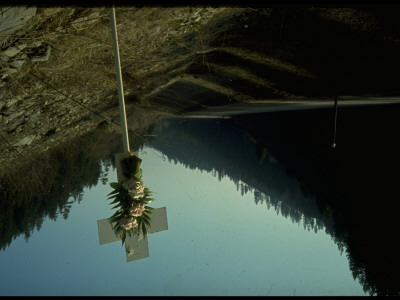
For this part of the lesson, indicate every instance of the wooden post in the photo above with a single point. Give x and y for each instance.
(119, 81)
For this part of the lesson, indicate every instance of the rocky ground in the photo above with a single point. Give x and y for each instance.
(58, 80)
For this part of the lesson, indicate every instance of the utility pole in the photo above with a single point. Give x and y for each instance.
(119, 81)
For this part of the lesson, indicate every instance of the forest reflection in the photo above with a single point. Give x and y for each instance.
(46, 185)
(217, 146)
(319, 190)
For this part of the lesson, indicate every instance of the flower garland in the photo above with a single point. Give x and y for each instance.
(131, 198)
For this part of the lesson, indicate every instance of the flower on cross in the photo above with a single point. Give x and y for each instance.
(137, 210)
(128, 223)
(131, 198)
(135, 188)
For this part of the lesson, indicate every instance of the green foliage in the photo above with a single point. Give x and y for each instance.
(131, 166)
(114, 185)
(137, 176)
(123, 202)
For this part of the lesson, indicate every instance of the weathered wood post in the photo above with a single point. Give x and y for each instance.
(119, 81)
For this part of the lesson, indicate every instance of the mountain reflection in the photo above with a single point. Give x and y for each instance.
(355, 182)
(221, 147)
(360, 218)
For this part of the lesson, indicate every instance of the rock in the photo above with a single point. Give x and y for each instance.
(14, 18)
(26, 140)
(21, 46)
(11, 52)
(9, 72)
(18, 63)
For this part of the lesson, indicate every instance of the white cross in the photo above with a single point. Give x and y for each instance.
(136, 246)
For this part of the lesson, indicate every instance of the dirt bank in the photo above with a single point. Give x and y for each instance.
(58, 73)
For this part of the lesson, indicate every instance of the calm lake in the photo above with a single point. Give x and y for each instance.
(257, 204)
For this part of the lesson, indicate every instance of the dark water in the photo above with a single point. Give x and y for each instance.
(257, 205)
(357, 182)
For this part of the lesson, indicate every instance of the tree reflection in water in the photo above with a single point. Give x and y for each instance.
(46, 185)
(360, 227)
(337, 189)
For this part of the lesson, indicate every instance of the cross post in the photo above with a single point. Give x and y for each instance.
(136, 246)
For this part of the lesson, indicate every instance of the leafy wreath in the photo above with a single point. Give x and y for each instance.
(131, 198)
